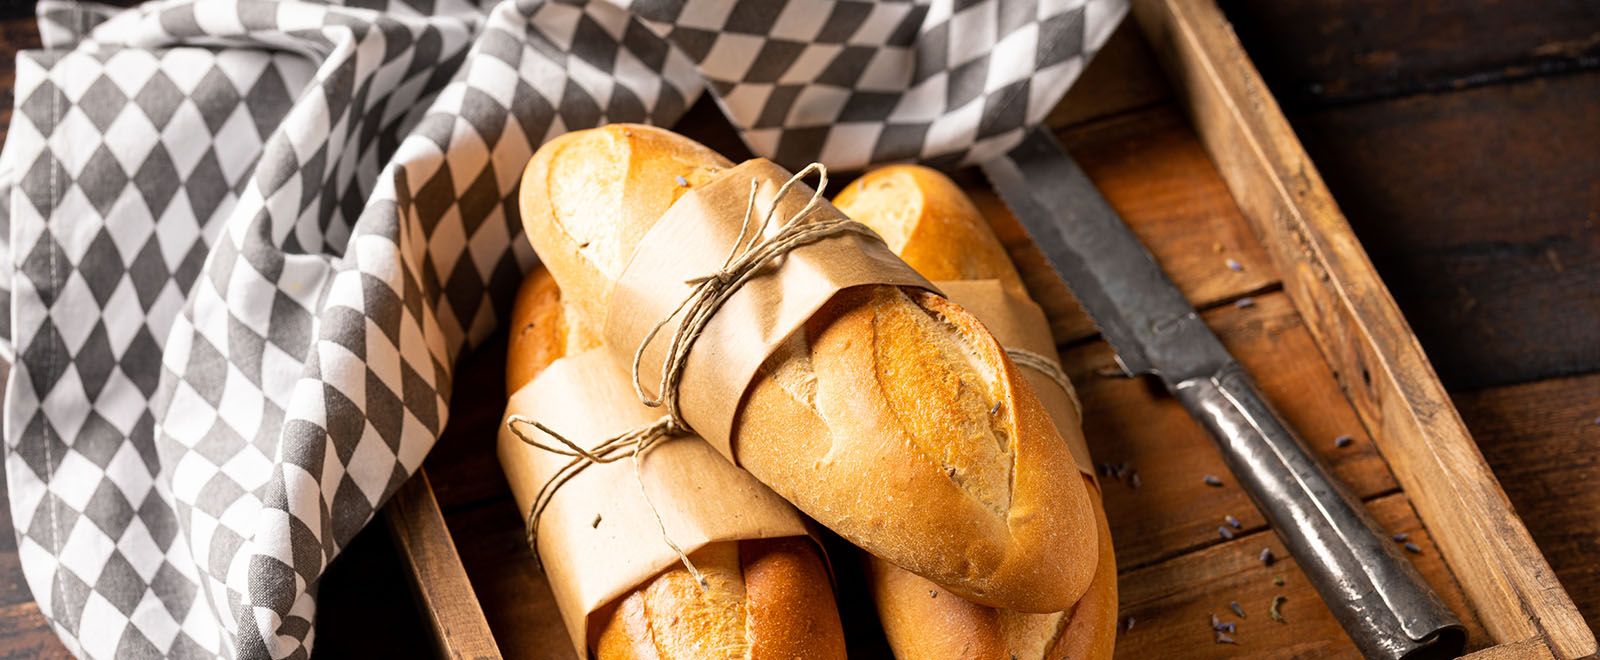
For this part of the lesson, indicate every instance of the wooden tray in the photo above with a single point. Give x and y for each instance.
(1204, 167)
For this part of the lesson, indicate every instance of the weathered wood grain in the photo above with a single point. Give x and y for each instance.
(516, 598)
(1338, 51)
(1481, 210)
(1171, 602)
(16, 33)
(24, 634)
(1360, 330)
(440, 583)
(1543, 441)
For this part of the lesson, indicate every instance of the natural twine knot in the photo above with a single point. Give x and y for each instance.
(746, 257)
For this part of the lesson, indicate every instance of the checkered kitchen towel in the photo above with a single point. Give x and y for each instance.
(249, 239)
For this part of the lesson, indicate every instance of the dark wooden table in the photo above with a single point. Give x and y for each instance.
(1461, 138)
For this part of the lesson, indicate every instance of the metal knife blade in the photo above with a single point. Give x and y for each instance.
(1376, 594)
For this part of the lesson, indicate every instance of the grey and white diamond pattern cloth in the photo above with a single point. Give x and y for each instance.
(250, 238)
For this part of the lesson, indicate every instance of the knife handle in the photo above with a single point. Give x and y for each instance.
(1372, 589)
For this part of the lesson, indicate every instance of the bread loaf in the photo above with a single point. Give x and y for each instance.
(894, 418)
(930, 223)
(768, 598)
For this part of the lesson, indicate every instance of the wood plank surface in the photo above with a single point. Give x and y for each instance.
(1361, 331)
(1172, 602)
(1543, 441)
(1498, 265)
(1315, 54)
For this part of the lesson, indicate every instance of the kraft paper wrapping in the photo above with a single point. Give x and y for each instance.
(692, 239)
(1018, 322)
(598, 539)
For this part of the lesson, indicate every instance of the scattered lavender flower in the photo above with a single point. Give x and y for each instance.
(1413, 548)
(1105, 469)
(1232, 521)
(1212, 480)
(1402, 536)
(1237, 610)
(1227, 534)
(682, 181)
(1128, 626)
(1266, 557)
(1216, 624)
(1342, 441)
(1223, 638)
(1133, 479)
(1244, 302)
(1234, 266)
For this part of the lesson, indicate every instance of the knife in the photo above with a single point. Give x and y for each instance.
(1374, 592)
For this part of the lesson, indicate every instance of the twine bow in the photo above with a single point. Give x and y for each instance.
(746, 257)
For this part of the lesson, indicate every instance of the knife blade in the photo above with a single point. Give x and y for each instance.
(1374, 592)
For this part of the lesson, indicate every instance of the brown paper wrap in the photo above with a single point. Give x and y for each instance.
(1017, 322)
(598, 539)
(692, 239)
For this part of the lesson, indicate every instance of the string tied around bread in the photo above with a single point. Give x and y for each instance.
(748, 255)
(1026, 358)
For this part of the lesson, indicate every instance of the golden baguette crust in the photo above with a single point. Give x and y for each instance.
(923, 621)
(995, 513)
(768, 598)
(934, 227)
(928, 222)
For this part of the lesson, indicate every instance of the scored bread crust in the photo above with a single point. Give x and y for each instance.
(768, 598)
(931, 224)
(832, 421)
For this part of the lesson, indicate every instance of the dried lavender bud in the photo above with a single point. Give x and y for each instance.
(1402, 536)
(1232, 521)
(682, 181)
(1237, 610)
(1226, 533)
(1223, 638)
(1244, 302)
(1212, 480)
(1266, 558)
(1234, 266)
(1342, 441)
(1273, 611)
(1121, 469)
(1227, 627)
(1413, 548)
(1133, 479)
(1216, 624)
(1128, 627)
(1105, 469)
(933, 594)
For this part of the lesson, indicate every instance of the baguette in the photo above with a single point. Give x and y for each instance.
(768, 598)
(930, 223)
(893, 418)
